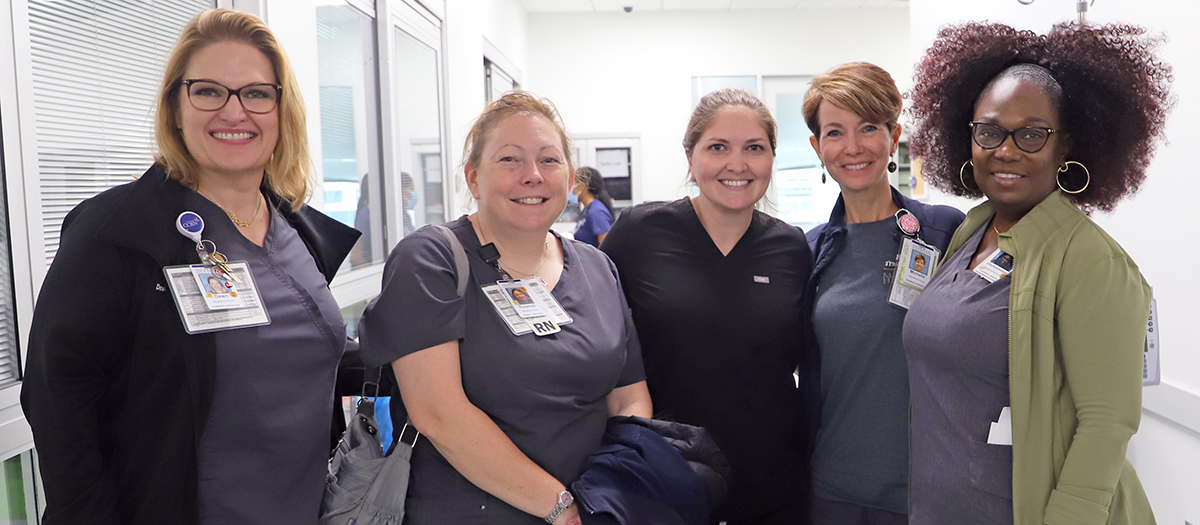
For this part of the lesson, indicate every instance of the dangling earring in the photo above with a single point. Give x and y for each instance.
(822, 174)
(892, 167)
(962, 169)
(1066, 165)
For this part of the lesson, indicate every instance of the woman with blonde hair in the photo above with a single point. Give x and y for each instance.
(507, 416)
(147, 407)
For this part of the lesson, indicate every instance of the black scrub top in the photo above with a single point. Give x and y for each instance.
(721, 336)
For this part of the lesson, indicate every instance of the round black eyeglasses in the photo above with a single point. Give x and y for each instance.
(1030, 139)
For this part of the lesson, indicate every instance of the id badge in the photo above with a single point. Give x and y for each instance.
(525, 305)
(998, 264)
(208, 301)
(914, 266)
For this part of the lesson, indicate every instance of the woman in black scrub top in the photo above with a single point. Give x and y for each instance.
(135, 420)
(506, 420)
(716, 289)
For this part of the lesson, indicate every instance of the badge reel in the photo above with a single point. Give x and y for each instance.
(216, 294)
(914, 264)
(525, 305)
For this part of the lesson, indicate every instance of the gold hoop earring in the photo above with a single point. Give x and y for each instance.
(1066, 165)
(961, 177)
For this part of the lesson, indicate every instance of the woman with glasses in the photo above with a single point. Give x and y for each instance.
(1025, 350)
(148, 404)
(860, 456)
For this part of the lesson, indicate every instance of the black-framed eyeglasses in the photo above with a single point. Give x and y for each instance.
(1030, 139)
(210, 95)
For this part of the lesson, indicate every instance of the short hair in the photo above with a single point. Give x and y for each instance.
(863, 88)
(509, 104)
(1114, 103)
(712, 104)
(289, 171)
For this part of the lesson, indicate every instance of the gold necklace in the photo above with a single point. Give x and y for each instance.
(241, 223)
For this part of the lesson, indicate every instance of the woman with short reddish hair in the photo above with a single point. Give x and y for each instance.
(860, 457)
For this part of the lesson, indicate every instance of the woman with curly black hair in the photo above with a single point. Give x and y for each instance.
(1025, 349)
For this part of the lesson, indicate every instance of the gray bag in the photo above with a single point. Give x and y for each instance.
(364, 487)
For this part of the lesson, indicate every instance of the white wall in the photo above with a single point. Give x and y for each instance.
(614, 72)
(1157, 227)
(468, 23)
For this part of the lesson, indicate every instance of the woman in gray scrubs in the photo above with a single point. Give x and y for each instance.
(1025, 350)
(138, 421)
(506, 420)
(860, 458)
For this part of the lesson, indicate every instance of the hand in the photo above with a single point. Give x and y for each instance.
(569, 517)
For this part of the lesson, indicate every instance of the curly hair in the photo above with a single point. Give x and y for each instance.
(1114, 103)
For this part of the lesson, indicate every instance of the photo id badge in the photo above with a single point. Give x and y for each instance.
(521, 296)
(509, 298)
(204, 310)
(219, 292)
(997, 265)
(914, 266)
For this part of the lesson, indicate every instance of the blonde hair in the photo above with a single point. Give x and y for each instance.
(512, 103)
(289, 171)
(863, 88)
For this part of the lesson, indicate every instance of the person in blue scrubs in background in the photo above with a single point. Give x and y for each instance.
(597, 216)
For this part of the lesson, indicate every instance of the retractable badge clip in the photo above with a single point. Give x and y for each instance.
(191, 225)
(908, 223)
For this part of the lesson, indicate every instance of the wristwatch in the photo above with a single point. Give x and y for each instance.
(565, 499)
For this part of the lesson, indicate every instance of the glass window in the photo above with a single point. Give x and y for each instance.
(496, 80)
(350, 152)
(18, 502)
(418, 132)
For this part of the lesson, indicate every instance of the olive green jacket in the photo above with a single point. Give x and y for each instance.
(1076, 330)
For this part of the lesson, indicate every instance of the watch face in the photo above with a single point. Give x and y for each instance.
(565, 498)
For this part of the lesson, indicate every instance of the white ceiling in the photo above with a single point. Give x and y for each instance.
(547, 6)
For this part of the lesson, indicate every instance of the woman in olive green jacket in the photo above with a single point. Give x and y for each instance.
(1025, 349)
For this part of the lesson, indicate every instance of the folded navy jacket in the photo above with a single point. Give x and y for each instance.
(652, 472)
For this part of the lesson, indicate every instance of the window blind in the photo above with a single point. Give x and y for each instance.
(96, 70)
(9, 365)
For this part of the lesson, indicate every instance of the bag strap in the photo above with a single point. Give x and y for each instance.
(462, 268)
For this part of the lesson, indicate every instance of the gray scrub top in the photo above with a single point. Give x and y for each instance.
(956, 339)
(265, 449)
(547, 394)
(861, 453)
